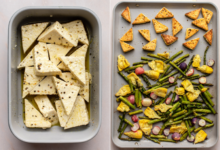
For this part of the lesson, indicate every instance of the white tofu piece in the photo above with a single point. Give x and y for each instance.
(30, 80)
(77, 28)
(76, 66)
(28, 61)
(45, 87)
(43, 66)
(56, 51)
(57, 34)
(63, 118)
(46, 108)
(30, 33)
(67, 94)
(33, 118)
(79, 52)
(79, 115)
(84, 89)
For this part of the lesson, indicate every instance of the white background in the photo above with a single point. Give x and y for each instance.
(104, 10)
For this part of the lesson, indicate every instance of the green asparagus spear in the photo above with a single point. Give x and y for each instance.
(172, 123)
(204, 59)
(156, 120)
(146, 80)
(155, 56)
(201, 128)
(192, 103)
(208, 104)
(121, 123)
(207, 97)
(135, 112)
(182, 112)
(123, 76)
(151, 139)
(140, 99)
(129, 139)
(183, 137)
(139, 63)
(131, 85)
(188, 66)
(188, 129)
(167, 140)
(206, 119)
(203, 111)
(154, 85)
(173, 97)
(163, 74)
(123, 129)
(180, 58)
(180, 61)
(174, 56)
(158, 136)
(126, 121)
(133, 68)
(126, 102)
(136, 94)
(206, 84)
(183, 116)
(166, 77)
(174, 65)
(175, 106)
(189, 118)
(164, 99)
(206, 91)
(143, 117)
(148, 59)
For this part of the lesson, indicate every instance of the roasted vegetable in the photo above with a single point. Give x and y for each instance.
(123, 91)
(122, 62)
(187, 85)
(157, 65)
(179, 129)
(152, 74)
(162, 107)
(151, 113)
(200, 136)
(196, 61)
(122, 107)
(164, 54)
(135, 79)
(137, 134)
(180, 91)
(145, 127)
(193, 95)
(161, 92)
(205, 69)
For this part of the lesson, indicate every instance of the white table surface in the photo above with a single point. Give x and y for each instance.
(102, 141)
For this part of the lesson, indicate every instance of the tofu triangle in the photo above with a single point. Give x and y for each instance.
(169, 39)
(151, 46)
(190, 32)
(207, 14)
(201, 23)
(191, 44)
(44, 87)
(43, 66)
(56, 51)
(193, 14)
(159, 27)
(33, 118)
(176, 26)
(141, 18)
(126, 47)
(208, 36)
(128, 36)
(57, 34)
(30, 80)
(164, 13)
(76, 66)
(126, 14)
(78, 119)
(63, 118)
(82, 51)
(84, 89)
(46, 108)
(77, 30)
(30, 34)
(28, 61)
(145, 33)
(67, 93)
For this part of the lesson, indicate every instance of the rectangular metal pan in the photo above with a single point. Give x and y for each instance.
(150, 9)
(56, 134)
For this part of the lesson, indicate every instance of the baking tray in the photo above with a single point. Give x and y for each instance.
(150, 9)
(55, 134)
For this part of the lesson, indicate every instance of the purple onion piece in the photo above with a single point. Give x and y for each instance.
(176, 136)
(176, 99)
(202, 122)
(210, 62)
(183, 66)
(194, 120)
(166, 132)
(191, 139)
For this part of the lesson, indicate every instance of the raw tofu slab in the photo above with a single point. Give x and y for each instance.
(33, 118)
(150, 9)
(63, 118)
(28, 61)
(46, 108)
